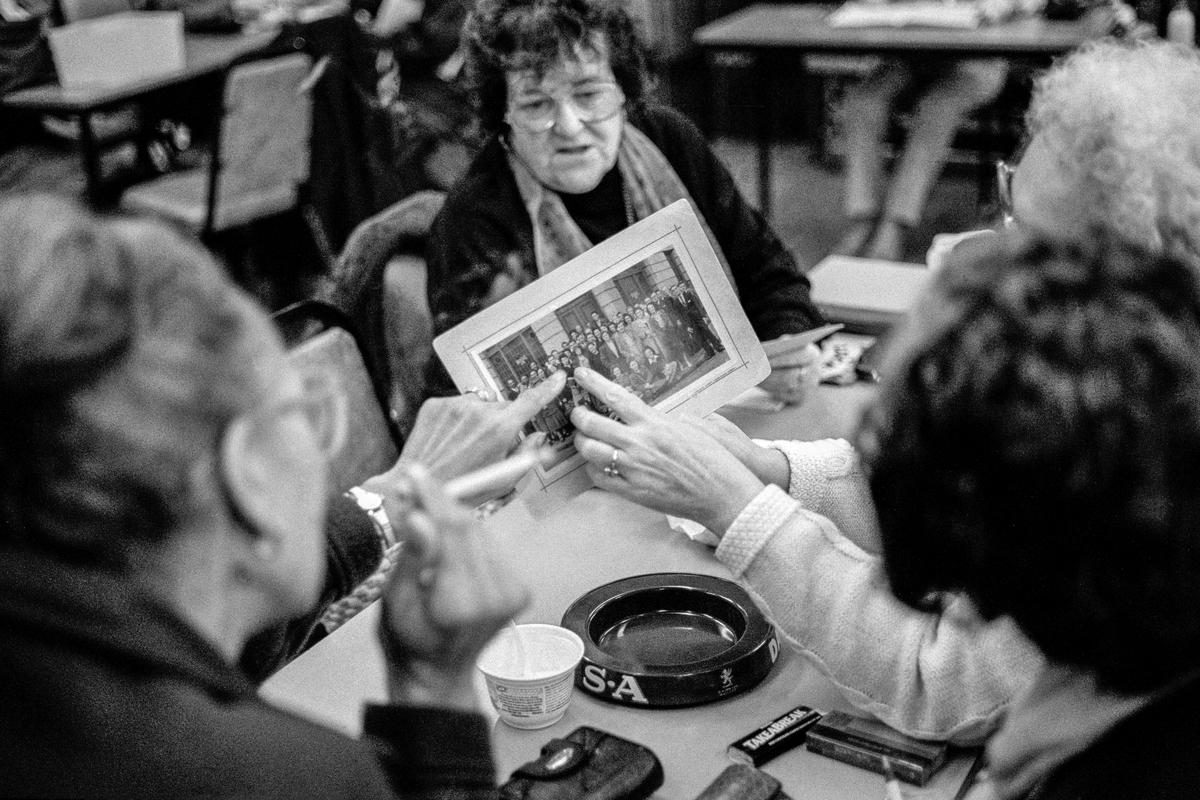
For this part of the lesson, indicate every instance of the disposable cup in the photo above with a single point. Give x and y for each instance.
(530, 681)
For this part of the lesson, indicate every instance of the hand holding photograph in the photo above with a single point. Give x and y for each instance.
(651, 309)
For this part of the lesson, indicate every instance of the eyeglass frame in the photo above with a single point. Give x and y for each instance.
(309, 396)
(318, 388)
(559, 99)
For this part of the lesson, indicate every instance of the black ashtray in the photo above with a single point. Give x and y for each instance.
(670, 639)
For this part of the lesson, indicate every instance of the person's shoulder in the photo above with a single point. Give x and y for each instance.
(666, 125)
(1145, 755)
(289, 750)
(486, 174)
(683, 145)
(486, 192)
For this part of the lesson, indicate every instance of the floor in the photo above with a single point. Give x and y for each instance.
(806, 198)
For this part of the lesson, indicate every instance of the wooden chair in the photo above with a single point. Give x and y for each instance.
(319, 336)
(379, 280)
(259, 163)
(76, 10)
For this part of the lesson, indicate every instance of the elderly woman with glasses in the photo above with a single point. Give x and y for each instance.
(576, 155)
(1112, 145)
(162, 476)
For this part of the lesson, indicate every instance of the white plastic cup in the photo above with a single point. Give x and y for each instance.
(530, 682)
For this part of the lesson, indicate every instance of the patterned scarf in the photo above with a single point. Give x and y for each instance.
(649, 181)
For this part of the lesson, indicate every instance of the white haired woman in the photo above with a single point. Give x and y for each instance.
(1113, 144)
(162, 480)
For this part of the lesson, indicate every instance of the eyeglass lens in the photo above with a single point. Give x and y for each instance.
(591, 102)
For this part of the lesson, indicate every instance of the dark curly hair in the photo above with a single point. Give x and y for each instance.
(506, 35)
(1038, 449)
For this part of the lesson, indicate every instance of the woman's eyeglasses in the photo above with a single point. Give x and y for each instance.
(591, 102)
(1004, 178)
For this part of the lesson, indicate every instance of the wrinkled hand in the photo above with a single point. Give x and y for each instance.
(447, 597)
(793, 375)
(669, 464)
(769, 464)
(455, 435)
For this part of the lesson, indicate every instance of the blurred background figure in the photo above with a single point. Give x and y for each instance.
(421, 58)
(883, 210)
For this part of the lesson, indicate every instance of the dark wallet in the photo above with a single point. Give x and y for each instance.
(743, 782)
(589, 764)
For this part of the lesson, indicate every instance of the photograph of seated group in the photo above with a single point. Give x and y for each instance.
(645, 330)
(651, 309)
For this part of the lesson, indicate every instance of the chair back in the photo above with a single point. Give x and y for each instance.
(76, 10)
(322, 338)
(262, 151)
(379, 280)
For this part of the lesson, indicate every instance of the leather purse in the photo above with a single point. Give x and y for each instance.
(743, 782)
(588, 763)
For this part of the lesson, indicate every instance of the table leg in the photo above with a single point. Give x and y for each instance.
(765, 118)
(90, 153)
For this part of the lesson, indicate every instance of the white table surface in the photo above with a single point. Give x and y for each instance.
(594, 539)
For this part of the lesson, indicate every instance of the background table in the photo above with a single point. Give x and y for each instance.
(343, 187)
(594, 539)
(205, 54)
(767, 31)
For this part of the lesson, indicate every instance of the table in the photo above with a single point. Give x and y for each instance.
(205, 54)
(577, 548)
(765, 31)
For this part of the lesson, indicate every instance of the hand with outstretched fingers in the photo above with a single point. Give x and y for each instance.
(793, 375)
(456, 435)
(670, 464)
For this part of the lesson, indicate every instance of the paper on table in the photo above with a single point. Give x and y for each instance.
(755, 399)
(795, 342)
(910, 14)
(693, 530)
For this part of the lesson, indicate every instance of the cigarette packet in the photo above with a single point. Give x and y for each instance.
(868, 744)
(777, 736)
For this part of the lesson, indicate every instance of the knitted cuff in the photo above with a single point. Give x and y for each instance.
(813, 464)
(757, 522)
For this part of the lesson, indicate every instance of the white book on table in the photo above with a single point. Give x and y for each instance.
(865, 293)
(920, 14)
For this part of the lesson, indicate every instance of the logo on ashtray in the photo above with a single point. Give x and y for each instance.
(619, 687)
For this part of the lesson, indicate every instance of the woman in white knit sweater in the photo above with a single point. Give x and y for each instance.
(797, 525)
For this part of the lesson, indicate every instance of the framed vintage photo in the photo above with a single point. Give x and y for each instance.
(650, 308)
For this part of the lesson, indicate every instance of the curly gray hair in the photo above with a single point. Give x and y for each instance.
(1121, 119)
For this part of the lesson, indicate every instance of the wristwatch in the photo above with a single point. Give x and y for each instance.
(372, 503)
